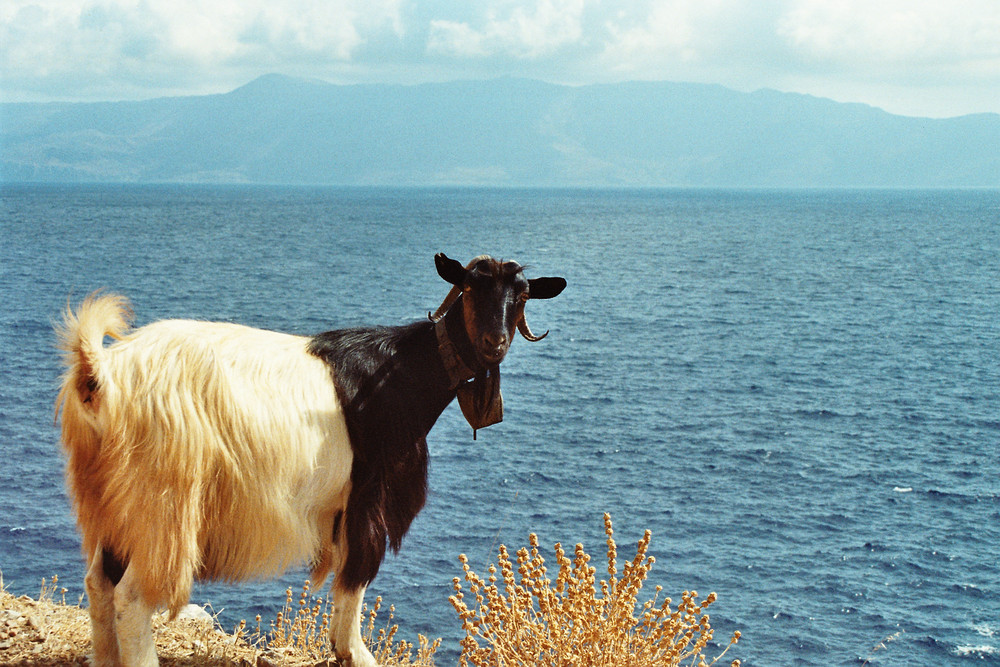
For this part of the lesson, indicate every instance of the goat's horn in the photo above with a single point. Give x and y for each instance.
(522, 326)
(453, 295)
(448, 302)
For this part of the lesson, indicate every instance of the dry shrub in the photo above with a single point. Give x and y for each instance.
(391, 653)
(301, 630)
(524, 618)
(47, 632)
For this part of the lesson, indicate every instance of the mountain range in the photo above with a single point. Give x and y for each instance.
(504, 132)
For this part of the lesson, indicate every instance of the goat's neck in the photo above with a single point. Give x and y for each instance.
(455, 348)
(480, 400)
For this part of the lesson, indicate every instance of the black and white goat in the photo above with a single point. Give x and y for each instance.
(201, 450)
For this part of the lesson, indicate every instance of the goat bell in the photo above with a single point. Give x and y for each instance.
(481, 400)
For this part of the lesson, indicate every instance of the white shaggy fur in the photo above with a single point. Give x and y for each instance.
(198, 450)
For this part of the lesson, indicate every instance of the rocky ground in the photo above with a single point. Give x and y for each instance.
(43, 632)
(46, 632)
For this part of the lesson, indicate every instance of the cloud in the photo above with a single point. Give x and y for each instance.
(910, 56)
(523, 32)
(918, 57)
(893, 32)
(802, 34)
(900, 54)
(665, 31)
(153, 42)
(320, 29)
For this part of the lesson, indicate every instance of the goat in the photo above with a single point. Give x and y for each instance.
(215, 451)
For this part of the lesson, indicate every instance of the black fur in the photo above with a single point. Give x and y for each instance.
(337, 520)
(392, 386)
(113, 567)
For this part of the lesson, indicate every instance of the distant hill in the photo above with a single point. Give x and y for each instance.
(513, 132)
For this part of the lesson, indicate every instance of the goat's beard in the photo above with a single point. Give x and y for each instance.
(481, 400)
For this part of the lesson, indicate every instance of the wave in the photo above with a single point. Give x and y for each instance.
(821, 413)
(985, 629)
(968, 590)
(976, 651)
(958, 498)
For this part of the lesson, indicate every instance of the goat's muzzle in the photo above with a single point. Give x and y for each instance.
(492, 348)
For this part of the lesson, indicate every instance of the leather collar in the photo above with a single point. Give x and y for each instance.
(478, 392)
(458, 371)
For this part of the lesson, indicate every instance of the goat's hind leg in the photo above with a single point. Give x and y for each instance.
(133, 622)
(101, 598)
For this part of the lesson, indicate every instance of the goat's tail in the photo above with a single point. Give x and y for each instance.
(80, 336)
(81, 339)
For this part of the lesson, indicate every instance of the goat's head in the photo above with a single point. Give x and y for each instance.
(493, 294)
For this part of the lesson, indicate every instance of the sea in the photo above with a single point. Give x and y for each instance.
(797, 392)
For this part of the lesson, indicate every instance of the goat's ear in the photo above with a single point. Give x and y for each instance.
(545, 288)
(449, 269)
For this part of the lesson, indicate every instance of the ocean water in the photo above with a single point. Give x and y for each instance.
(798, 393)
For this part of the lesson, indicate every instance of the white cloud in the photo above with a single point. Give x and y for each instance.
(909, 56)
(524, 32)
(320, 29)
(904, 55)
(802, 34)
(662, 34)
(919, 57)
(158, 41)
(909, 32)
(456, 38)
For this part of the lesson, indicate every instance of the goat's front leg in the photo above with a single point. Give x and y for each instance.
(133, 622)
(345, 629)
(101, 596)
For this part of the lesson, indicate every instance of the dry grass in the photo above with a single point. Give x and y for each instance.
(47, 631)
(301, 628)
(518, 616)
(527, 619)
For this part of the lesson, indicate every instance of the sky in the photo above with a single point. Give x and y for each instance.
(936, 58)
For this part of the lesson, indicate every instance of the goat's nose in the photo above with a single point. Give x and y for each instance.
(495, 340)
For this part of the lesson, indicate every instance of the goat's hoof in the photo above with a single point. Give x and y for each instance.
(356, 659)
